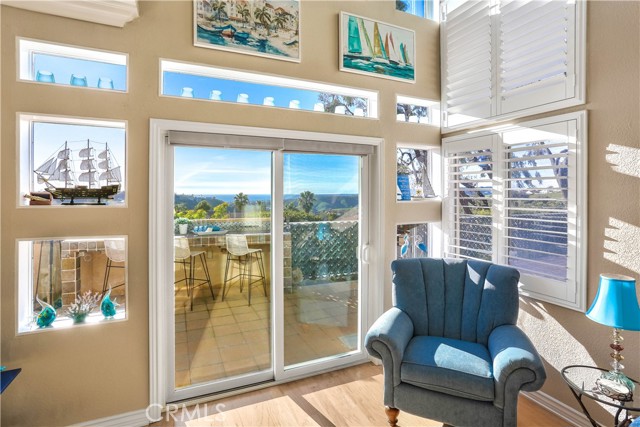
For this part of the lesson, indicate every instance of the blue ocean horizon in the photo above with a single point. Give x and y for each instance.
(260, 197)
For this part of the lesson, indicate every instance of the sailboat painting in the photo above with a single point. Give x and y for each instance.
(377, 49)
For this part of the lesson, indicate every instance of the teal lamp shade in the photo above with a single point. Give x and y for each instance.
(616, 304)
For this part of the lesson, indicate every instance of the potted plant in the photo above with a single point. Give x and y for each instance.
(83, 305)
(182, 225)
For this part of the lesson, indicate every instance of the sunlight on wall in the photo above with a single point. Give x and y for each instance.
(621, 244)
(556, 345)
(624, 159)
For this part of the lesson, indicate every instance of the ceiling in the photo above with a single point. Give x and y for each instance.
(108, 12)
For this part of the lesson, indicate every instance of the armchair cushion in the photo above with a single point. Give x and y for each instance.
(455, 367)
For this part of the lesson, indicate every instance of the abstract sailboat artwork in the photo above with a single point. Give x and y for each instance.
(375, 48)
(81, 172)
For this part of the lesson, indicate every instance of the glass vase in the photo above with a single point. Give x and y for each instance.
(78, 80)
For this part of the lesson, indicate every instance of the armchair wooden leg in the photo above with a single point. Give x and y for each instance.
(392, 415)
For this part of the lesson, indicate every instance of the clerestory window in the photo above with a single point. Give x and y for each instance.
(510, 58)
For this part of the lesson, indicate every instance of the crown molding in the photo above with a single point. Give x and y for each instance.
(108, 12)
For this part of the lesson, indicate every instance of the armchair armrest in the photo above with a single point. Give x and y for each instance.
(513, 353)
(388, 338)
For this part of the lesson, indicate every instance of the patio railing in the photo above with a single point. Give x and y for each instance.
(320, 250)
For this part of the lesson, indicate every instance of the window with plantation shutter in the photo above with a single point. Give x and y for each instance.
(510, 58)
(536, 53)
(466, 54)
(517, 196)
(536, 200)
(470, 192)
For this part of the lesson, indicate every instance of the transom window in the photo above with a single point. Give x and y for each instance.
(185, 80)
(416, 110)
(52, 63)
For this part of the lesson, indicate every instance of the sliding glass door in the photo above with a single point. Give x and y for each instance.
(322, 211)
(267, 276)
(222, 267)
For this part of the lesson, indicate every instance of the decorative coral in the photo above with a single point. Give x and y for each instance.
(83, 305)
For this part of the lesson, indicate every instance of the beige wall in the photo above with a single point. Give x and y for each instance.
(564, 336)
(91, 372)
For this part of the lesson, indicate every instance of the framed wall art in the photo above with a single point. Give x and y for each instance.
(377, 49)
(254, 27)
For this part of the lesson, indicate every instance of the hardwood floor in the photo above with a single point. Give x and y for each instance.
(348, 397)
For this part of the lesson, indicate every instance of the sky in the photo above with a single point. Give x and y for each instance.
(227, 171)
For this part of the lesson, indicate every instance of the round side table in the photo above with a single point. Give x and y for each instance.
(582, 382)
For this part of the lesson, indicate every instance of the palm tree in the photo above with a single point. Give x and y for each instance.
(240, 201)
(263, 15)
(306, 201)
(218, 9)
(244, 12)
(280, 21)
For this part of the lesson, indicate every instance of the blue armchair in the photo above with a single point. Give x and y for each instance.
(450, 347)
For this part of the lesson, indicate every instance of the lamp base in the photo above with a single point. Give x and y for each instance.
(616, 385)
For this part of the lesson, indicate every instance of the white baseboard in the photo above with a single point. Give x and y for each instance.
(567, 413)
(129, 419)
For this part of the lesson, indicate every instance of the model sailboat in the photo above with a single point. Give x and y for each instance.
(99, 175)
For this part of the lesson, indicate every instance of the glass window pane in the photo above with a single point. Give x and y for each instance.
(413, 175)
(321, 214)
(537, 215)
(218, 89)
(79, 72)
(187, 80)
(222, 263)
(412, 241)
(65, 282)
(414, 7)
(75, 164)
(416, 110)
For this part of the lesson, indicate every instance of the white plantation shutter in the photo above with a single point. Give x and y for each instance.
(469, 208)
(518, 197)
(536, 63)
(467, 52)
(510, 58)
(536, 214)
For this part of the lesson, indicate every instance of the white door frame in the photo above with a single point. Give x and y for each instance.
(160, 246)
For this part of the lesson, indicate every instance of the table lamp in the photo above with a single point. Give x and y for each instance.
(616, 305)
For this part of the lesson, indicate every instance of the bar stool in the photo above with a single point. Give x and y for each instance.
(116, 253)
(239, 253)
(185, 256)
